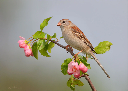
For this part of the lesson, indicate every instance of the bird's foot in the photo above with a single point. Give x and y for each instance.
(68, 46)
(86, 57)
(77, 54)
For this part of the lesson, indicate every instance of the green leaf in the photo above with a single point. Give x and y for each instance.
(61, 37)
(50, 46)
(81, 72)
(68, 60)
(41, 44)
(72, 78)
(46, 46)
(44, 52)
(35, 50)
(103, 47)
(88, 65)
(72, 87)
(39, 34)
(84, 61)
(48, 37)
(78, 61)
(44, 23)
(54, 36)
(64, 66)
(78, 82)
(70, 83)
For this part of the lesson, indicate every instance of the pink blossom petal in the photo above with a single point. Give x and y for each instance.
(28, 52)
(22, 43)
(70, 71)
(83, 68)
(26, 48)
(77, 74)
(73, 68)
(22, 38)
(32, 54)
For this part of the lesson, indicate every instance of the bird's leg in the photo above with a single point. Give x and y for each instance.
(77, 54)
(68, 46)
(86, 56)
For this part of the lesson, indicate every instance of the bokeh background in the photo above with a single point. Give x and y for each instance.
(100, 20)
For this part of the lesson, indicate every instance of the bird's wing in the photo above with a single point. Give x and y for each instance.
(77, 32)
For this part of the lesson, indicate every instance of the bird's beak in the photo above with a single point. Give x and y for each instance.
(59, 24)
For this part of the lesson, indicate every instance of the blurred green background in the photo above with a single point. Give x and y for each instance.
(100, 20)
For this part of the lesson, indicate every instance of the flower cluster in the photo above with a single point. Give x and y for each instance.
(27, 48)
(74, 68)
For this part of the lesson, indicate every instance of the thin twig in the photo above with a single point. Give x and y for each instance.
(89, 81)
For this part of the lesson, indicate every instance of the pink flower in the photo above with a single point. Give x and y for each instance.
(26, 48)
(73, 68)
(32, 54)
(83, 68)
(28, 51)
(21, 42)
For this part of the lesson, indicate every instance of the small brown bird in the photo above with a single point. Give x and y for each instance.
(74, 37)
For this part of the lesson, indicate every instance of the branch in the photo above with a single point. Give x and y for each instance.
(71, 52)
(89, 81)
(69, 49)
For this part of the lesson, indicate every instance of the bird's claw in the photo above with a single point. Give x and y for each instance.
(77, 54)
(68, 46)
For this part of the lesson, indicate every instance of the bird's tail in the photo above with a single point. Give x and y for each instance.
(99, 64)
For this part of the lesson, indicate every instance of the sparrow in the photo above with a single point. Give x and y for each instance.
(74, 37)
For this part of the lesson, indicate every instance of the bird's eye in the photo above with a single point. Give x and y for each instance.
(63, 21)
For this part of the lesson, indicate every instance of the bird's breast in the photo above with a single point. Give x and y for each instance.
(75, 42)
